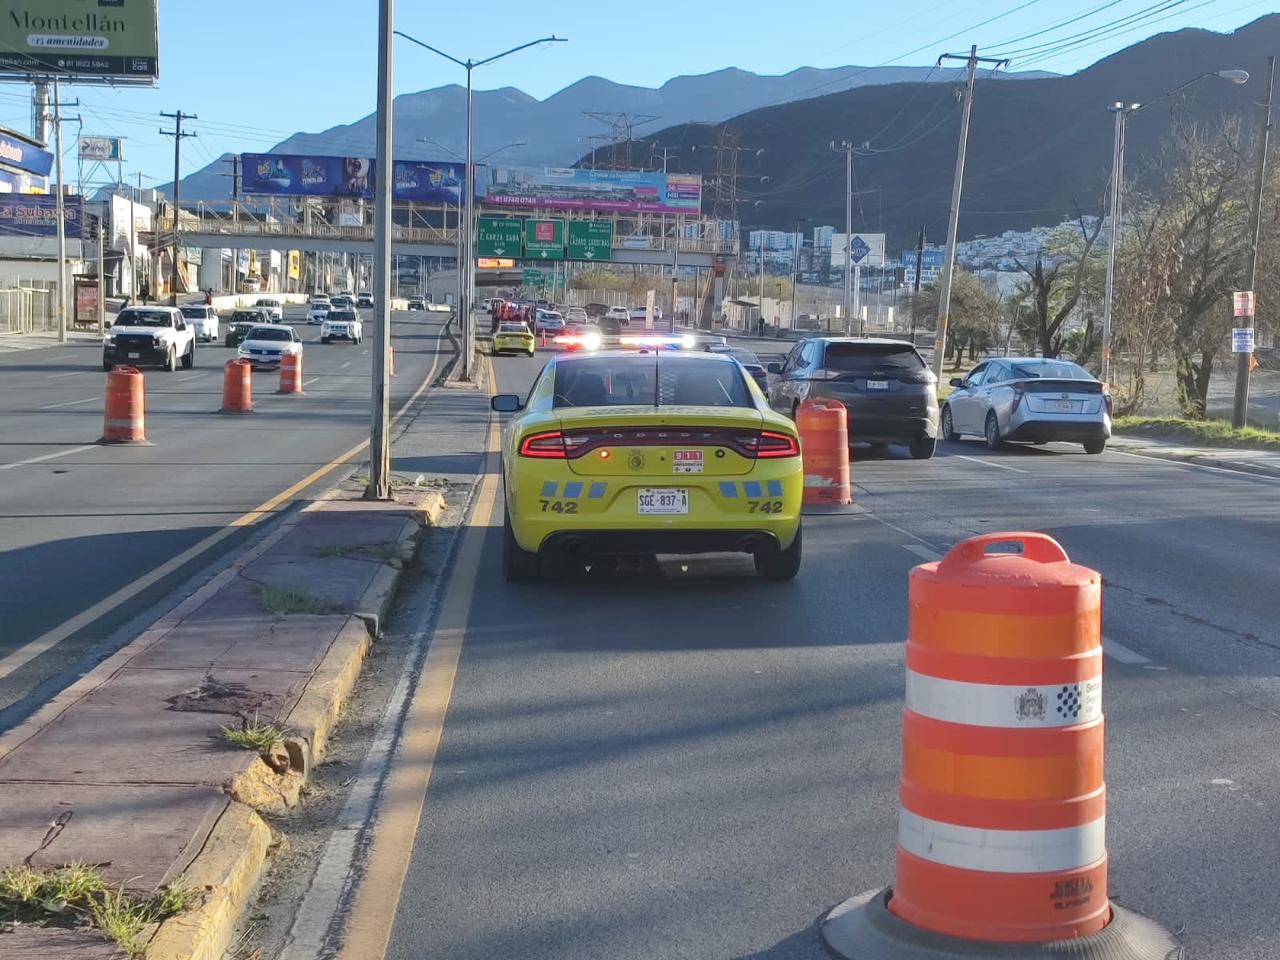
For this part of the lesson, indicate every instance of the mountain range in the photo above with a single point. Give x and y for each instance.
(556, 131)
(1039, 150)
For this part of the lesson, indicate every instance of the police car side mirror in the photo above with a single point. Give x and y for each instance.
(507, 403)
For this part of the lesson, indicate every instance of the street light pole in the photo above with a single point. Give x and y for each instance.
(847, 149)
(59, 212)
(1244, 361)
(1122, 112)
(379, 486)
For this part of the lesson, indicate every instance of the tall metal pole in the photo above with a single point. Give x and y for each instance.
(848, 237)
(59, 212)
(1244, 361)
(1117, 176)
(675, 270)
(695, 292)
(915, 294)
(795, 272)
(379, 487)
(469, 333)
(133, 239)
(102, 289)
(953, 224)
(178, 136)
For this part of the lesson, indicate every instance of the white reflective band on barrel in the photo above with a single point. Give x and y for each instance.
(1002, 851)
(1000, 705)
(135, 424)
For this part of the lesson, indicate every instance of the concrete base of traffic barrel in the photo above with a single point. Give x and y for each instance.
(863, 928)
(831, 509)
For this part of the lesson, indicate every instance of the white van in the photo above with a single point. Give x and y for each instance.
(203, 320)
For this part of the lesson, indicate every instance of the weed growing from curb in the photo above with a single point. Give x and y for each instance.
(260, 737)
(282, 601)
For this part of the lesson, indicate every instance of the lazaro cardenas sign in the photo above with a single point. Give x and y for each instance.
(80, 39)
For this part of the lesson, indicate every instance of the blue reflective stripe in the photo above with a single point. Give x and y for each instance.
(775, 488)
(597, 491)
(572, 491)
(728, 490)
(752, 489)
(549, 488)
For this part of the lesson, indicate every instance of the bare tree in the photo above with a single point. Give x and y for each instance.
(1055, 286)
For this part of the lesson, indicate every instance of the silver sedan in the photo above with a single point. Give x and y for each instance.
(1029, 399)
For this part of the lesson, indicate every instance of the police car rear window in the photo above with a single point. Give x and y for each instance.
(635, 380)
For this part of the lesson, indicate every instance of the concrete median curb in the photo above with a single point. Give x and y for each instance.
(1131, 444)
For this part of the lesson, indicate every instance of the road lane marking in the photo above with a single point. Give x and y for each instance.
(51, 638)
(47, 456)
(345, 365)
(68, 403)
(1196, 466)
(988, 463)
(312, 380)
(73, 373)
(924, 553)
(194, 376)
(403, 797)
(1118, 651)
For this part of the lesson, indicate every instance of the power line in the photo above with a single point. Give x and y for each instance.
(1138, 16)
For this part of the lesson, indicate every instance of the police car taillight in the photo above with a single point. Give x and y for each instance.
(552, 445)
(768, 445)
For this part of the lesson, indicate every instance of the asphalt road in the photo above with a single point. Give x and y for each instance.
(697, 764)
(79, 522)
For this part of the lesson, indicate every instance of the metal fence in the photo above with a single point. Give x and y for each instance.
(29, 307)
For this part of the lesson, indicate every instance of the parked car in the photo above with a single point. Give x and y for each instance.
(150, 335)
(274, 308)
(203, 320)
(889, 391)
(1031, 399)
(241, 322)
(266, 344)
(318, 311)
(417, 303)
(342, 325)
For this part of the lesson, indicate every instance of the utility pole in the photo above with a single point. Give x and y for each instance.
(915, 295)
(846, 148)
(235, 199)
(953, 224)
(102, 288)
(178, 135)
(379, 487)
(695, 292)
(667, 154)
(1244, 361)
(1121, 111)
(60, 207)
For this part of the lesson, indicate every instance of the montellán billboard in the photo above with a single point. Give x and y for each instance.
(605, 191)
(80, 40)
(348, 178)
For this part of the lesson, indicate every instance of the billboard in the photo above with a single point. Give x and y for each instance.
(110, 40)
(18, 154)
(867, 249)
(100, 148)
(36, 216)
(349, 178)
(567, 188)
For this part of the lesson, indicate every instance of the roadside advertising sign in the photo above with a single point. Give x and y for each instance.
(110, 41)
(495, 263)
(18, 154)
(101, 148)
(590, 240)
(37, 216)
(544, 239)
(293, 175)
(499, 236)
(86, 301)
(569, 188)
(1242, 303)
(865, 249)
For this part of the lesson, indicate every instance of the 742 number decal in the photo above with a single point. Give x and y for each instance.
(765, 506)
(559, 506)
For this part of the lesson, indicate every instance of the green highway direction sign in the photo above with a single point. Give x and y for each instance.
(534, 278)
(590, 239)
(499, 237)
(544, 239)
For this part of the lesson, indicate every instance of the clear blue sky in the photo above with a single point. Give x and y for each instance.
(257, 71)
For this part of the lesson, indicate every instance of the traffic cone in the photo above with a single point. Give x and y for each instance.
(237, 387)
(124, 419)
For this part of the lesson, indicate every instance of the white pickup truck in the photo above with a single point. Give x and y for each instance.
(150, 335)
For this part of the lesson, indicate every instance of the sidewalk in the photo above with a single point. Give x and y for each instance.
(14, 342)
(1258, 462)
(130, 769)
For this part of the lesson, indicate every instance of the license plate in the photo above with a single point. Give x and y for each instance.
(135, 356)
(1066, 406)
(877, 384)
(663, 501)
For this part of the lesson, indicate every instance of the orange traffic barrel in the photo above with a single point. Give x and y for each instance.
(124, 418)
(237, 387)
(824, 443)
(1001, 829)
(290, 373)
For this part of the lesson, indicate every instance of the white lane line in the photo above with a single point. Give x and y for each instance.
(73, 373)
(47, 456)
(345, 365)
(194, 376)
(1195, 466)
(312, 380)
(988, 463)
(1118, 651)
(68, 403)
(923, 552)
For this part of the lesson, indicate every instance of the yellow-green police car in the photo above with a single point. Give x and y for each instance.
(620, 453)
(513, 338)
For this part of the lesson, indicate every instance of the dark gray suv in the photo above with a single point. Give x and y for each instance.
(888, 389)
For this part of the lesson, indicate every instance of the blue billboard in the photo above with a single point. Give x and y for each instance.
(348, 178)
(37, 216)
(16, 153)
(932, 259)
